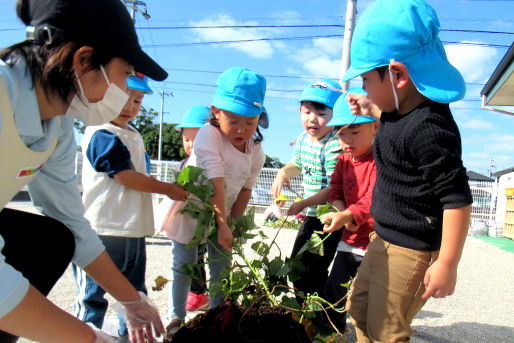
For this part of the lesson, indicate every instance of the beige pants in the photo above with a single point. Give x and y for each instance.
(386, 294)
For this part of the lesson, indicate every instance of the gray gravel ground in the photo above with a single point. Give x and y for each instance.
(481, 310)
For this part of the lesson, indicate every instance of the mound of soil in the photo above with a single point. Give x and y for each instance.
(230, 324)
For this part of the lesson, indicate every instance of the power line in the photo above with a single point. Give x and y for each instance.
(295, 26)
(306, 77)
(295, 38)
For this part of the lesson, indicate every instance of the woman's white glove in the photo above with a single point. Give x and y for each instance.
(140, 315)
(101, 337)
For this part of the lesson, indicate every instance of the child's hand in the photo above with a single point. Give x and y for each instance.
(225, 236)
(278, 183)
(440, 280)
(177, 193)
(334, 221)
(351, 227)
(360, 104)
(295, 208)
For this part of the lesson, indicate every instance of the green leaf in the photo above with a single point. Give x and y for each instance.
(188, 174)
(257, 264)
(275, 266)
(313, 245)
(259, 247)
(323, 209)
(290, 302)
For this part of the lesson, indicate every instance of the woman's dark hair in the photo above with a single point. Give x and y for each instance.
(257, 137)
(50, 65)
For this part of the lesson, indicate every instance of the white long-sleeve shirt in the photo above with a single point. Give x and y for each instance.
(213, 152)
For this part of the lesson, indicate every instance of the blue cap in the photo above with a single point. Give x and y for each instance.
(342, 113)
(196, 117)
(324, 91)
(240, 91)
(139, 82)
(406, 31)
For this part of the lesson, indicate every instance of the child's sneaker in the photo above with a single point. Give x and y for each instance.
(197, 302)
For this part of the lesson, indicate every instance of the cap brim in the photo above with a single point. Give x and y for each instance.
(145, 89)
(319, 99)
(352, 73)
(350, 120)
(264, 120)
(144, 64)
(235, 107)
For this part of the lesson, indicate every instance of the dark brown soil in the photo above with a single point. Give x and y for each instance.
(230, 324)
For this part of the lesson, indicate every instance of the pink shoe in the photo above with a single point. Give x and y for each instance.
(197, 302)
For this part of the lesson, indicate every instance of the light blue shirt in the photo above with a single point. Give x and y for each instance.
(54, 190)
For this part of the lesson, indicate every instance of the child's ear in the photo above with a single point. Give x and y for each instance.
(215, 111)
(400, 74)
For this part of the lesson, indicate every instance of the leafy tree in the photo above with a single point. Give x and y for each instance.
(143, 120)
(273, 162)
(171, 142)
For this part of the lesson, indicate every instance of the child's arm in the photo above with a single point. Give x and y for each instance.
(143, 183)
(242, 200)
(218, 203)
(284, 174)
(317, 199)
(441, 276)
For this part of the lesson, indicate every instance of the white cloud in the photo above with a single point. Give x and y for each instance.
(500, 143)
(258, 49)
(476, 63)
(331, 46)
(476, 124)
(321, 58)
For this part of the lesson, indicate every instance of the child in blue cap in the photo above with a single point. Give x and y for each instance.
(421, 200)
(228, 149)
(194, 119)
(117, 199)
(350, 191)
(315, 156)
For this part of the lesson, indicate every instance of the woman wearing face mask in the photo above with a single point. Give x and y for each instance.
(73, 64)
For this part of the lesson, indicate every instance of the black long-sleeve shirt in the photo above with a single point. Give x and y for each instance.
(419, 174)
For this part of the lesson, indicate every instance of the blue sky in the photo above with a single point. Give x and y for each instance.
(194, 62)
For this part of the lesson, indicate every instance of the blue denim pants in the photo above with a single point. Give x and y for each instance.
(218, 259)
(129, 255)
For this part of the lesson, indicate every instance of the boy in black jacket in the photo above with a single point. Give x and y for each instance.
(421, 201)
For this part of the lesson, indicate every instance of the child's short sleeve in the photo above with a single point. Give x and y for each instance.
(107, 154)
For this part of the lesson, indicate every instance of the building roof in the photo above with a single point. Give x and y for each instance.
(478, 177)
(504, 171)
(499, 89)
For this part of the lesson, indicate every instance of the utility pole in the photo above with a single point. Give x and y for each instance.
(351, 12)
(162, 94)
(133, 5)
(491, 166)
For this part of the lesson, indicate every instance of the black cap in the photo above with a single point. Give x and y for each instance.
(105, 24)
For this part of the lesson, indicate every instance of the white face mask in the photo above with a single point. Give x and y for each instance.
(394, 89)
(97, 113)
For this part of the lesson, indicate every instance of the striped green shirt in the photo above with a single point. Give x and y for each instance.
(316, 160)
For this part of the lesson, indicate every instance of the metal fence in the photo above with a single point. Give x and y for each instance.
(261, 193)
(482, 213)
